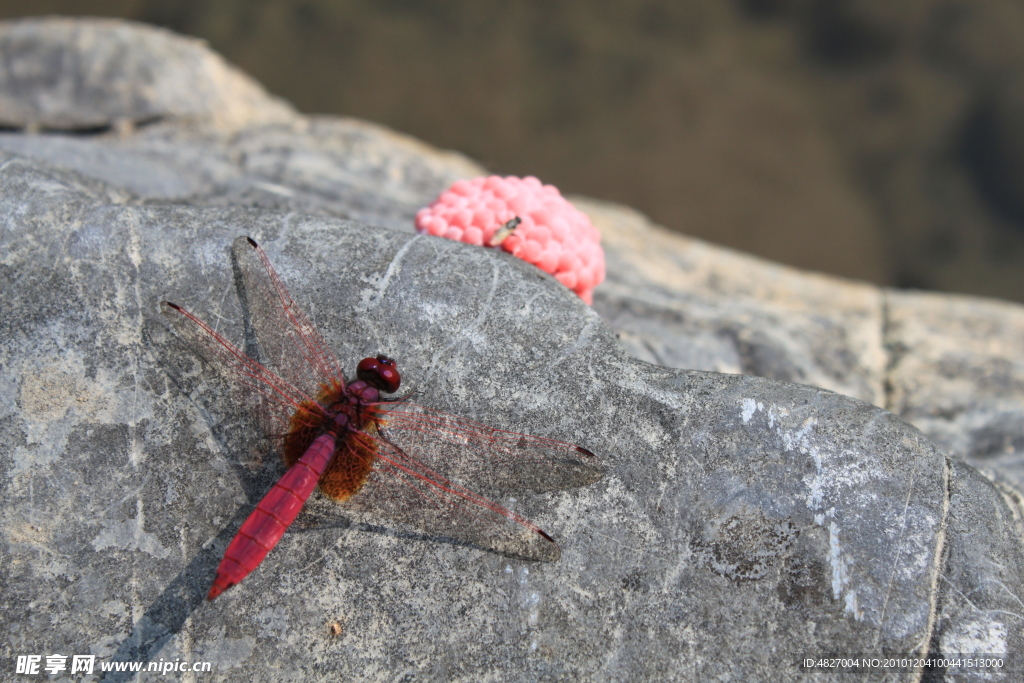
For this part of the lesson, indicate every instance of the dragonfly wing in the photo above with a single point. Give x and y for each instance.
(486, 458)
(402, 490)
(288, 342)
(272, 397)
(434, 469)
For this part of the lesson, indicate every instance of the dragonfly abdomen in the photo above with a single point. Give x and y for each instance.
(264, 527)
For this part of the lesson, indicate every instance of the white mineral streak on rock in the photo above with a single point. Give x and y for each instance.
(840, 572)
(819, 486)
(850, 606)
(835, 555)
(750, 406)
(798, 440)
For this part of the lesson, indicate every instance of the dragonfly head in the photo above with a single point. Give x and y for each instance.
(380, 372)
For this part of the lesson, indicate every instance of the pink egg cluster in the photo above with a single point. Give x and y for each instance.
(552, 235)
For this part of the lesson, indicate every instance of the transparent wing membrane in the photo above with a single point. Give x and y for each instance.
(271, 396)
(402, 490)
(290, 345)
(490, 458)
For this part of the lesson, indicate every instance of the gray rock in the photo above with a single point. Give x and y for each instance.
(978, 608)
(68, 74)
(743, 524)
(948, 364)
(957, 374)
(681, 302)
(338, 167)
(734, 505)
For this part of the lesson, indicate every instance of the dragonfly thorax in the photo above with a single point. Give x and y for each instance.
(361, 392)
(338, 424)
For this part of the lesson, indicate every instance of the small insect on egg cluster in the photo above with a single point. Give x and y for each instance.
(551, 234)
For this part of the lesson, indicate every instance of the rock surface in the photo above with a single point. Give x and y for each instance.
(948, 364)
(62, 74)
(745, 522)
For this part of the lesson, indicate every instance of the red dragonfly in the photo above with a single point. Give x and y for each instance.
(387, 455)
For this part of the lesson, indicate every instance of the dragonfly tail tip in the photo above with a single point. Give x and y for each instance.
(220, 584)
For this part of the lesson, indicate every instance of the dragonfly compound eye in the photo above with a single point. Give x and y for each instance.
(380, 372)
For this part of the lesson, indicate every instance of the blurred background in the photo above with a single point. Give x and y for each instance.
(867, 138)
